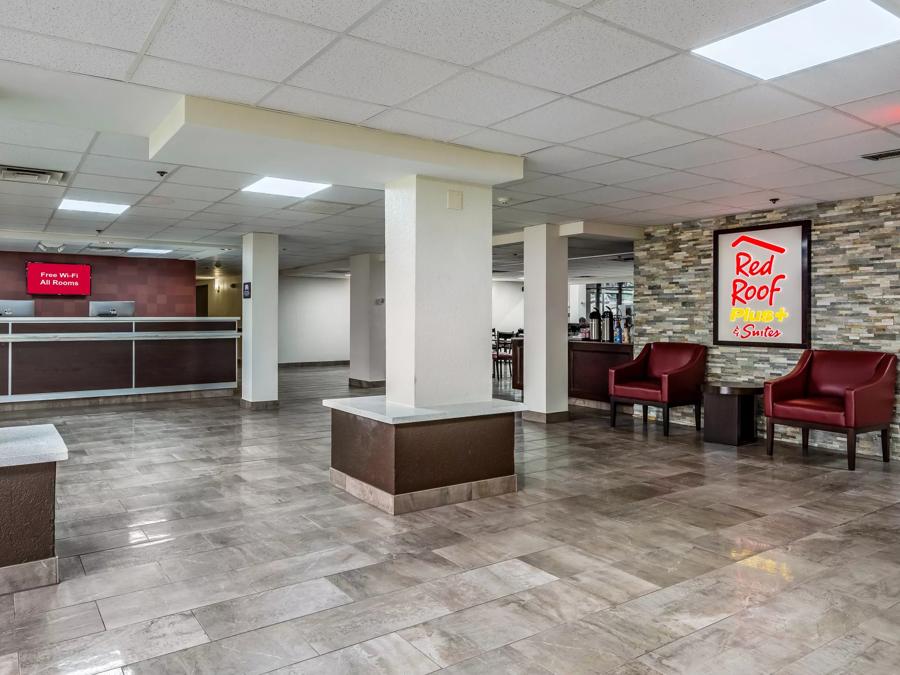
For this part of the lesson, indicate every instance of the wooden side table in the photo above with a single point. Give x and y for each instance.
(730, 412)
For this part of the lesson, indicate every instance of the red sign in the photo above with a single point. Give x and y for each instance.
(57, 279)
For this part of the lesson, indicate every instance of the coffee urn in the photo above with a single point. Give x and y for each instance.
(606, 325)
(595, 324)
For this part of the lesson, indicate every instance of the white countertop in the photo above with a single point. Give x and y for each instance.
(112, 337)
(380, 409)
(111, 319)
(34, 444)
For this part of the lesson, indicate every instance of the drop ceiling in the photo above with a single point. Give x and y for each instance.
(617, 120)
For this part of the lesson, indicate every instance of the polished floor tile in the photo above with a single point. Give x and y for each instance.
(196, 537)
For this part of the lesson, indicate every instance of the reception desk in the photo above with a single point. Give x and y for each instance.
(45, 359)
(589, 364)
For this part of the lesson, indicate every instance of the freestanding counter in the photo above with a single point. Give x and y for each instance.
(45, 359)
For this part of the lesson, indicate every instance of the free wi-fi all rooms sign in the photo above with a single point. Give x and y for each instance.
(761, 285)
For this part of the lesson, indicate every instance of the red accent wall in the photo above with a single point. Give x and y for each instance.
(158, 287)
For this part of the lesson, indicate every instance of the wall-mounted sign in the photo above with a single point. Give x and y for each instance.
(246, 290)
(57, 279)
(761, 285)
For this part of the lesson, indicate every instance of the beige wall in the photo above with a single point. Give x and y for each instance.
(227, 301)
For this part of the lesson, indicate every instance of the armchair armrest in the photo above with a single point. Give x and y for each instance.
(635, 369)
(792, 385)
(872, 403)
(682, 385)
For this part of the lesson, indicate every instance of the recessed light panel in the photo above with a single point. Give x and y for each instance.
(91, 207)
(285, 187)
(823, 32)
(150, 251)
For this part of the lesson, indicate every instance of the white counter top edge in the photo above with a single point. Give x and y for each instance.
(31, 444)
(380, 409)
(112, 337)
(111, 319)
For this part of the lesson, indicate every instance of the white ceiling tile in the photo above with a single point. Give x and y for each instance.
(617, 172)
(845, 188)
(188, 79)
(863, 75)
(319, 208)
(260, 199)
(39, 135)
(38, 201)
(520, 216)
(691, 23)
(158, 212)
(189, 175)
(38, 158)
(887, 177)
(565, 120)
(192, 192)
(698, 153)
(334, 14)
(553, 186)
(739, 110)
(479, 99)
(756, 201)
(345, 195)
(711, 191)
(815, 126)
(803, 176)
(596, 212)
(127, 168)
(751, 165)
(511, 198)
(460, 31)
(560, 159)
(666, 182)
(175, 204)
(843, 148)
(123, 24)
(553, 205)
(636, 139)
(673, 83)
(423, 126)
(698, 210)
(649, 203)
(294, 216)
(121, 145)
(31, 189)
(362, 70)
(317, 104)
(883, 111)
(112, 183)
(861, 167)
(499, 141)
(576, 53)
(242, 212)
(606, 195)
(216, 35)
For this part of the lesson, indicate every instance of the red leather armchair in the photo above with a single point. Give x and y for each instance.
(844, 391)
(664, 375)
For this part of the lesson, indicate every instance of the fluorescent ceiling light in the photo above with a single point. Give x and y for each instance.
(150, 251)
(91, 207)
(823, 32)
(285, 187)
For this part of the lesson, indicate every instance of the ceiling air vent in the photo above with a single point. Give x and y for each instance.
(878, 156)
(108, 248)
(38, 176)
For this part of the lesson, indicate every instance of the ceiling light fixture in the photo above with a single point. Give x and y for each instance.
(818, 34)
(150, 251)
(285, 187)
(91, 207)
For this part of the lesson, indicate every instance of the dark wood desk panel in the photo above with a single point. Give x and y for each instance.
(4, 369)
(168, 363)
(86, 327)
(194, 326)
(44, 367)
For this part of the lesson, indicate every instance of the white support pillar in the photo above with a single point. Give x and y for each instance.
(367, 316)
(438, 292)
(259, 361)
(546, 376)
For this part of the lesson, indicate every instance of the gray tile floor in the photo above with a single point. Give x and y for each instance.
(199, 538)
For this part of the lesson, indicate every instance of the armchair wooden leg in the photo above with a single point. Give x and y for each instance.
(804, 434)
(646, 408)
(851, 449)
(886, 444)
(665, 420)
(612, 412)
(697, 416)
(770, 437)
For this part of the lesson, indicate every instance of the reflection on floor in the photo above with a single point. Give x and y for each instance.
(200, 538)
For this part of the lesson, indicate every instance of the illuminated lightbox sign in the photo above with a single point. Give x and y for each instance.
(57, 279)
(761, 285)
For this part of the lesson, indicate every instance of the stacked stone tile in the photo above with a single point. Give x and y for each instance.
(855, 292)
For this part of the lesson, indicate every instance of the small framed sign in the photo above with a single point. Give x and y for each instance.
(761, 285)
(246, 290)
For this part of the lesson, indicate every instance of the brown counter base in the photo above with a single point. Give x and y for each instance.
(545, 418)
(366, 384)
(97, 401)
(409, 467)
(258, 405)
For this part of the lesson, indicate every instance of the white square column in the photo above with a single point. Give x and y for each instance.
(259, 339)
(367, 320)
(438, 254)
(546, 362)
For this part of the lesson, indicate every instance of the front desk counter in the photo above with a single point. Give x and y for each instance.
(589, 364)
(44, 359)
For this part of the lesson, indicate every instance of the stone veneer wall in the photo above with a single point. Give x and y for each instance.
(855, 292)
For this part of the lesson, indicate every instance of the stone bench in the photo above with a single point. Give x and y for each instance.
(28, 457)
